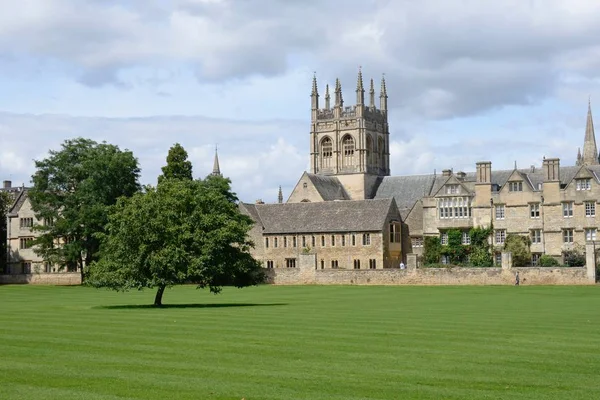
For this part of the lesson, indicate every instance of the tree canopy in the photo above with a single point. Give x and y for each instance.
(182, 231)
(72, 190)
(178, 166)
(6, 201)
(519, 246)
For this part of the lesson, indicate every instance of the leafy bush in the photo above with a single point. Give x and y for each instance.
(574, 257)
(431, 250)
(548, 261)
(519, 247)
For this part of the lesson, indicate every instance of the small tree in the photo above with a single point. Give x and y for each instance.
(182, 231)
(6, 201)
(480, 255)
(178, 166)
(574, 257)
(519, 246)
(548, 261)
(432, 249)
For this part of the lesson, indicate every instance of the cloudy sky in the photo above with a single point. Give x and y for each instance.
(468, 80)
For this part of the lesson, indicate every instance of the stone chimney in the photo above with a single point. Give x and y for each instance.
(484, 172)
(447, 172)
(7, 184)
(551, 169)
(460, 175)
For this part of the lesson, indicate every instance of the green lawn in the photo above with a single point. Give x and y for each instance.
(301, 343)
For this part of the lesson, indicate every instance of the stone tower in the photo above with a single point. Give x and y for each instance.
(590, 151)
(351, 142)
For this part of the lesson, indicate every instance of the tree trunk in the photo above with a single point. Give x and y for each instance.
(158, 297)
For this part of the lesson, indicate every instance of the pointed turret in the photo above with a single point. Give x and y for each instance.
(216, 169)
(383, 96)
(372, 95)
(280, 196)
(339, 100)
(327, 98)
(590, 151)
(314, 95)
(579, 160)
(360, 90)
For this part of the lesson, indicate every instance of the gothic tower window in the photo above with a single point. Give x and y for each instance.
(348, 148)
(380, 156)
(326, 152)
(369, 151)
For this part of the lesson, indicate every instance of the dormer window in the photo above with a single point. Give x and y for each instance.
(515, 186)
(583, 184)
(452, 189)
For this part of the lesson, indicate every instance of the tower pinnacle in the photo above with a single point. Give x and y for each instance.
(280, 196)
(327, 98)
(314, 95)
(216, 169)
(339, 101)
(590, 150)
(360, 90)
(383, 95)
(372, 95)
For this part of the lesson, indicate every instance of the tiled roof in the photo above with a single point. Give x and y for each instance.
(329, 187)
(322, 217)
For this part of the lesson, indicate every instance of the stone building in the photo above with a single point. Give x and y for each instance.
(349, 159)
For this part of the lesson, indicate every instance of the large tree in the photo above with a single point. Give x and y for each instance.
(72, 191)
(182, 231)
(178, 166)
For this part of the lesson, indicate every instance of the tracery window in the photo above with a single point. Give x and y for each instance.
(326, 152)
(348, 149)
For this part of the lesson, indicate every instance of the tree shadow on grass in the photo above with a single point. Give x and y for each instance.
(192, 305)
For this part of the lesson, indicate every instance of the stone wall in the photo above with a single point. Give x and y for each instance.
(431, 276)
(67, 278)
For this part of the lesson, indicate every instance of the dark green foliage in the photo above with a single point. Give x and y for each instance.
(455, 250)
(480, 254)
(6, 201)
(73, 188)
(182, 231)
(519, 246)
(178, 166)
(548, 261)
(574, 257)
(432, 250)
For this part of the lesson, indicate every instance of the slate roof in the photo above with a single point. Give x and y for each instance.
(321, 217)
(409, 189)
(20, 199)
(329, 187)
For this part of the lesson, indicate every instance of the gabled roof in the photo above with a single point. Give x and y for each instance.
(329, 187)
(322, 217)
(19, 200)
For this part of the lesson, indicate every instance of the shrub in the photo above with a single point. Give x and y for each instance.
(574, 257)
(519, 247)
(548, 261)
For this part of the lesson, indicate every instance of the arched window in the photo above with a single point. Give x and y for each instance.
(348, 149)
(381, 153)
(369, 151)
(326, 152)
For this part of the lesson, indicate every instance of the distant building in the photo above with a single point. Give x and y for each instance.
(349, 156)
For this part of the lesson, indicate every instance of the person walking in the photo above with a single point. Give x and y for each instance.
(517, 280)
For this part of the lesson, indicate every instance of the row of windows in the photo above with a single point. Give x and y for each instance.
(466, 239)
(25, 243)
(454, 207)
(333, 240)
(27, 222)
(536, 235)
(291, 263)
(348, 149)
(534, 209)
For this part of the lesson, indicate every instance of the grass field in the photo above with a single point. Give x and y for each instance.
(301, 343)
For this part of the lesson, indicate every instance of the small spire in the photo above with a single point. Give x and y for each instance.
(383, 95)
(280, 196)
(339, 100)
(216, 169)
(372, 95)
(578, 156)
(327, 98)
(314, 94)
(590, 151)
(360, 90)
(515, 164)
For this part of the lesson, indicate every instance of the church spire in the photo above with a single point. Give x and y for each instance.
(360, 90)
(216, 169)
(280, 196)
(383, 95)
(590, 151)
(372, 95)
(314, 95)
